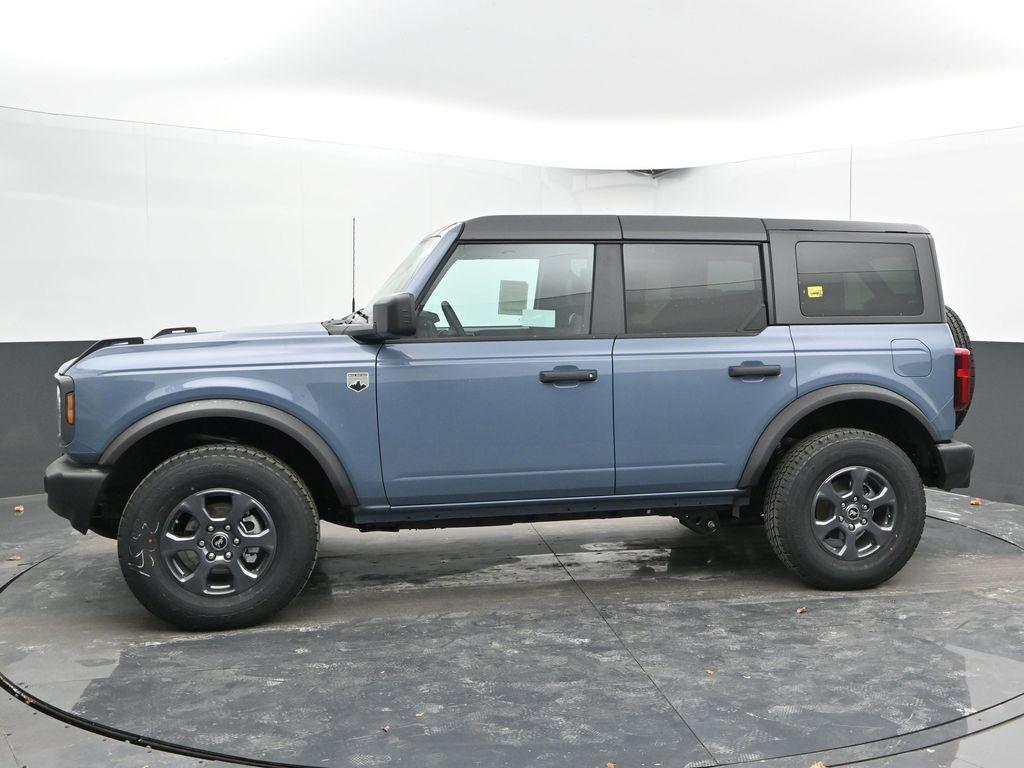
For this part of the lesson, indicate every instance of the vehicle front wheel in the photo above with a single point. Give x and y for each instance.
(218, 537)
(845, 509)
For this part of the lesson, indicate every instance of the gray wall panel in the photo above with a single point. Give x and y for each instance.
(28, 411)
(995, 423)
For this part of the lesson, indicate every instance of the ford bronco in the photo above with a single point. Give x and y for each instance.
(803, 375)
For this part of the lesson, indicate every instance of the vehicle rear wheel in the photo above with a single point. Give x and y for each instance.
(218, 537)
(845, 509)
(963, 341)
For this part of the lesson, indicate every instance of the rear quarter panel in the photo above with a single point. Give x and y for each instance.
(886, 355)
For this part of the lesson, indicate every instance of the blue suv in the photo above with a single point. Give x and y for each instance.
(803, 375)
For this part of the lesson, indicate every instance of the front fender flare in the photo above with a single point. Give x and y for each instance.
(769, 440)
(244, 410)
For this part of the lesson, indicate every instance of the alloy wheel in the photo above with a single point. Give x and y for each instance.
(219, 541)
(853, 513)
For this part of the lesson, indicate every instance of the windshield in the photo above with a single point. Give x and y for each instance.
(407, 268)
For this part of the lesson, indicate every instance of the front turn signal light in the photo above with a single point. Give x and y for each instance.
(69, 408)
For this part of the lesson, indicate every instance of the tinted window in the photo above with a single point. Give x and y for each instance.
(515, 290)
(692, 289)
(858, 279)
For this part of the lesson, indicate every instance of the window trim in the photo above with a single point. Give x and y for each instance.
(766, 290)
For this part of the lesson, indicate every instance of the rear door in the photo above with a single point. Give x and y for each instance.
(505, 393)
(699, 372)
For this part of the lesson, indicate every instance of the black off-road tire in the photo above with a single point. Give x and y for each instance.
(962, 340)
(155, 505)
(789, 515)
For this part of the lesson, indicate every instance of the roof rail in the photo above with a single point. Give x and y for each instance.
(175, 329)
(101, 344)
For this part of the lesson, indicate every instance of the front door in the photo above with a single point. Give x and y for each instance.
(503, 394)
(699, 373)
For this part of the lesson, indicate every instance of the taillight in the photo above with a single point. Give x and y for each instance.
(963, 381)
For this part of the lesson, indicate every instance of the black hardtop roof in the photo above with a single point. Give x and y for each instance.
(609, 227)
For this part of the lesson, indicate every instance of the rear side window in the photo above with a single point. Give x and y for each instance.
(693, 289)
(858, 279)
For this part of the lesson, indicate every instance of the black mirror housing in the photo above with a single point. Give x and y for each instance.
(394, 316)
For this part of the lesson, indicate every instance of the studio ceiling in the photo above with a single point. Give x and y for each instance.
(580, 83)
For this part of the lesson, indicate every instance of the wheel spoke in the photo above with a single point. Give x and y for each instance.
(172, 545)
(241, 505)
(265, 540)
(823, 530)
(195, 505)
(858, 479)
(197, 581)
(850, 552)
(241, 577)
(879, 534)
(884, 498)
(831, 495)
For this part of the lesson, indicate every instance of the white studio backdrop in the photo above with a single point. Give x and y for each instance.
(574, 83)
(111, 228)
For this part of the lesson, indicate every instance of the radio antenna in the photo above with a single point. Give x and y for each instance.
(353, 263)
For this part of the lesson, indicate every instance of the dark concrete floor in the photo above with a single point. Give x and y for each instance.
(572, 644)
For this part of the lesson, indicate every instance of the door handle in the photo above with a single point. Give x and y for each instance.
(553, 377)
(754, 369)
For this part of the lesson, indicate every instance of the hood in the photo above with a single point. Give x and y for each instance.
(286, 330)
(242, 346)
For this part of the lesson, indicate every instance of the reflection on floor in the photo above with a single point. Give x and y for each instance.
(629, 641)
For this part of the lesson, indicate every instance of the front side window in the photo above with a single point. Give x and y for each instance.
(858, 279)
(512, 290)
(692, 289)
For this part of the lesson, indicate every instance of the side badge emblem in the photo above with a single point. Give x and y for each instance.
(357, 382)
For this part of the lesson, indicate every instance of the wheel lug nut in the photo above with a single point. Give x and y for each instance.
(202, 543)
(210, 556)
(209, 527)
(236, 542)
(227, 555)
(227, 527)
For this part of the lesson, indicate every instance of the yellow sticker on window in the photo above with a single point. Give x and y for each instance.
(815, 291)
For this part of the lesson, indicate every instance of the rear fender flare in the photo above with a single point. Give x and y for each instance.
(788, 417)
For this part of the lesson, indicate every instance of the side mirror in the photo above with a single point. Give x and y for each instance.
(394, 316)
